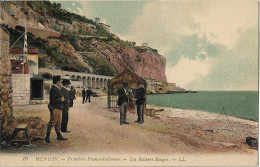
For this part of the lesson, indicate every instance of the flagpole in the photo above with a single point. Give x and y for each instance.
(25, 48)
(25, 51)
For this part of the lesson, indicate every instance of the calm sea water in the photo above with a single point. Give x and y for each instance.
(242, 104)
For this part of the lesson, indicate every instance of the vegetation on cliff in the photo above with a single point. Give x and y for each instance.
(76, 49)
(54, 10)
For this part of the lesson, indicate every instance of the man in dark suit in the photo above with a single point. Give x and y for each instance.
(88, 93)
(83, 95)
(72, 94)
(65, 105)
(140, 100)
(55, 107)
(122, 103)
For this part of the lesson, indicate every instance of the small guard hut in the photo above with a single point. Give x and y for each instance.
(114, 84)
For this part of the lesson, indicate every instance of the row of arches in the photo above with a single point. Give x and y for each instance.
(92, 82)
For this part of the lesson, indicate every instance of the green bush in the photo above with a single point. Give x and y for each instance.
(100, 65)
(31, 63)
(74, 41)
(154, 51)
(42, 63)
(103, 33)
(68, 68)
(54, 9)
(140, 49)
(46, 75)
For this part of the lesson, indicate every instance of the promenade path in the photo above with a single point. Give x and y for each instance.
(95, 129)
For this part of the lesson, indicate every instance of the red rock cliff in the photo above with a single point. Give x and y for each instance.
(147, 64)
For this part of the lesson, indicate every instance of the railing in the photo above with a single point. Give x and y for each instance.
(112, 101)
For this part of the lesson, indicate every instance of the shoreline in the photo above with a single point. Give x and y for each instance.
(243, 105)
(171, 112)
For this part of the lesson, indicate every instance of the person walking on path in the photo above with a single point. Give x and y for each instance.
(55, 107)
(88, 93)
(140, 100)
(83, 95)
(72, 94)
(123, 102)
(65, 105)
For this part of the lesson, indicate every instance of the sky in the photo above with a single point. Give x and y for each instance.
(208, 44)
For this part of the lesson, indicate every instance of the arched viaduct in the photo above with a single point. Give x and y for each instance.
(88, 80)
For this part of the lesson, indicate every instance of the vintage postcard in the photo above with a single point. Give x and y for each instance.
(129, 83)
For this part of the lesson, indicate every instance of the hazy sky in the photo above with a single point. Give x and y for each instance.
(209, 44)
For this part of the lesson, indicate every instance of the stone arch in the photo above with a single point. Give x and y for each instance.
(79, 78)
(94, 83)
(105, 83)
(73, 77)
(84, 81)
(89, 82)
(97, 83)
(101, 83)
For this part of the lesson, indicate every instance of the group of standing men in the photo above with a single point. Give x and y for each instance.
(86, 95)
(123, 97)
(61, 98)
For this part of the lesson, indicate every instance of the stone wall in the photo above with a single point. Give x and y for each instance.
(6, 109)
(21, 89)
(33, 69)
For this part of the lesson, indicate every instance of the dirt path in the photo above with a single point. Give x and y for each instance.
(95, 129)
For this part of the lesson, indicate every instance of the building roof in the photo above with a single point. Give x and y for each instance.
(20, 51)
(129, 76)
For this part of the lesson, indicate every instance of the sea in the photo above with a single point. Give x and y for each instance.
(241, 104)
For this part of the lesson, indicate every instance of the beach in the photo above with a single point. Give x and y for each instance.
(95, 129)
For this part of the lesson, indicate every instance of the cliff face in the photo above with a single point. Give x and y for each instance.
(79, 42)
(147, 64)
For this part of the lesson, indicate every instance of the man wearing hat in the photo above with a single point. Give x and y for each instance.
(83, 93)
(65, 105)
(88, 93)
(123, 102)
(55, 107)
(72, 95)
(140, 100)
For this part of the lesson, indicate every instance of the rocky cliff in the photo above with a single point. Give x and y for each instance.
(72, 42)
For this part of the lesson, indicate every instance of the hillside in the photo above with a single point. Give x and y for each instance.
(72, 42)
